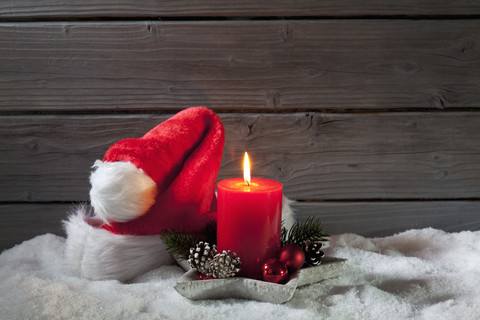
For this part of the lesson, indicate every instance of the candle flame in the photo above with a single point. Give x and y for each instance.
(246, 169)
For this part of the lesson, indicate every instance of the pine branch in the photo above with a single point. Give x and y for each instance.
(310, 230)
(178, 243)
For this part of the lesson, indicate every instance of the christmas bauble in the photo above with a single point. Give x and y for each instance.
(292, 256)
(274, 271)
(201, 276)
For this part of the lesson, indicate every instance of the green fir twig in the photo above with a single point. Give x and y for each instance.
(310, 230)
(178, 243)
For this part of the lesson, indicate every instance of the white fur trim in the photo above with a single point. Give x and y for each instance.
(97, 254)
(120, 191)
(287, 213)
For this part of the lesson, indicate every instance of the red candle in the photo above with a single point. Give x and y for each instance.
(249, 221)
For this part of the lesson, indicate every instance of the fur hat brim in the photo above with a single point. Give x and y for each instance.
(98, 254)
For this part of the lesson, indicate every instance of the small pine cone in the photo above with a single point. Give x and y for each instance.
(224, 265)
(313, 254)
(201, 256)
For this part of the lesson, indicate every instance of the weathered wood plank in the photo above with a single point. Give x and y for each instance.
(240, 65)
(316, 155)
(376, 219)
(20, 222)
(207, 8)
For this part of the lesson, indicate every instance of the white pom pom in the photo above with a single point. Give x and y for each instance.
(120, 191)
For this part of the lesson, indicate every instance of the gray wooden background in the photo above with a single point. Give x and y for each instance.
(368, 111)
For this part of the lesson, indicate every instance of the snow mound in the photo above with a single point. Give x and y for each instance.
(417, 274)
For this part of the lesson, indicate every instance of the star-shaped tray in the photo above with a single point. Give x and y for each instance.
(246, 288)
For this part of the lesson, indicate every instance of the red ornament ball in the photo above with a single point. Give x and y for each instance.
(274, 271)
(201, 276)
(292, 256)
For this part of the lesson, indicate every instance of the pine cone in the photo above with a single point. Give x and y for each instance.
(313, 254)
(201, 256)
(224, 265)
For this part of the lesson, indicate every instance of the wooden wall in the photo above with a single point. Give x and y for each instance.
(368, 111)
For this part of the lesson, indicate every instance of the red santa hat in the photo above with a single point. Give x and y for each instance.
(165, 179)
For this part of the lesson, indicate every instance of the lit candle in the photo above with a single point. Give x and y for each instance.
(249, 220)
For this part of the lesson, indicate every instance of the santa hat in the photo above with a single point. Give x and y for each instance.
(165, 179)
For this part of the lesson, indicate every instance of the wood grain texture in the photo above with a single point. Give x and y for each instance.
(250, 8)
(20, 222)
(318, 156)
(376, 219)
(240, 65)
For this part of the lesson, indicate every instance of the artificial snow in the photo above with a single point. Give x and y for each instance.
(418, 274)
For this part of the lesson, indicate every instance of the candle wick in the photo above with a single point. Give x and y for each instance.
(248, 184)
